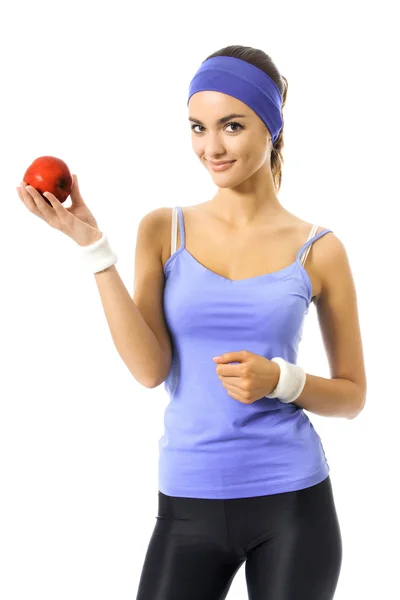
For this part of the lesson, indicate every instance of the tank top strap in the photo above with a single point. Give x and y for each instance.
(177, 212)
(311, 238)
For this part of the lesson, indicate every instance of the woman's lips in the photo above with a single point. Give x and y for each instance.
(222, 167)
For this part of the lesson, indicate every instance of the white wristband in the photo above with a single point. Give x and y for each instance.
(291, 381)
(99, 255)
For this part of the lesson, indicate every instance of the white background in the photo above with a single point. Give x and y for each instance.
(104, 87)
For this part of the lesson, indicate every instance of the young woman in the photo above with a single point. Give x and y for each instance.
(221, 292)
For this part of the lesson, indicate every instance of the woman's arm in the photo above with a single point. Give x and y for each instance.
(137, 324)
(343, 395)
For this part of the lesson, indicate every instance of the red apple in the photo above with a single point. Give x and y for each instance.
(49, 174)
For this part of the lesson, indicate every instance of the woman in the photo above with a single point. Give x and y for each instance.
(243, 476)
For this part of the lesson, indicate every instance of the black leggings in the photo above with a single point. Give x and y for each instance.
(290, 542)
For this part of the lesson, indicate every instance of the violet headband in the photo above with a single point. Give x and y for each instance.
(245, 82)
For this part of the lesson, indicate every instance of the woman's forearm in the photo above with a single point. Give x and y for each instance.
(134, 340)
(331, 397)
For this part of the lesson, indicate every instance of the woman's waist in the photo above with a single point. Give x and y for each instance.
(227, 420)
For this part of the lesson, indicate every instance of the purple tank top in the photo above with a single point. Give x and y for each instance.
(213, 445)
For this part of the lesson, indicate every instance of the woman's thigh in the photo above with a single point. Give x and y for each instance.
(303, 560)
(188, 557)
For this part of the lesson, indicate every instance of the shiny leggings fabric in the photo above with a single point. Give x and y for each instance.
(290, 543)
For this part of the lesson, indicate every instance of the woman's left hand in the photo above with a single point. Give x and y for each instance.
(253, 378)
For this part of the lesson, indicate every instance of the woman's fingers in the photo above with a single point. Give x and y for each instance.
(38, 206)
(28, 201)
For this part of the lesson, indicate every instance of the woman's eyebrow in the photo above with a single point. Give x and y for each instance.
(220, 121)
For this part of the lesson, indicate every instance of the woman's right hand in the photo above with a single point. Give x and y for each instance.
(76, 221)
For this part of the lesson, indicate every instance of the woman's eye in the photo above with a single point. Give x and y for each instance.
(232, 123)
(193, 128)
(236, 125)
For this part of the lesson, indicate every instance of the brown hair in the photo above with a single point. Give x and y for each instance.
(259, 59)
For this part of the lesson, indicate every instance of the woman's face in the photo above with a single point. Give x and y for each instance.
(245, 140)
